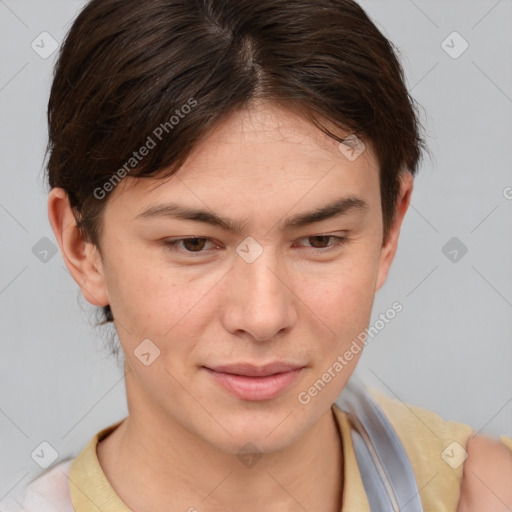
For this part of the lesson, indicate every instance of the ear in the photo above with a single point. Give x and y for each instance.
(82, 258)
(388, 250)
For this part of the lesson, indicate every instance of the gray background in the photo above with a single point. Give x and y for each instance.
(450, 348)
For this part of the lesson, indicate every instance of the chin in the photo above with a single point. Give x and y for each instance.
(268, 431)
(253, 441)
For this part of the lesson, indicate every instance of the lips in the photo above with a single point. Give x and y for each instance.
(250, 370)
(254, 383)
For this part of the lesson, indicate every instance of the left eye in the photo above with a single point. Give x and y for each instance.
(196, 244)
(339, 240)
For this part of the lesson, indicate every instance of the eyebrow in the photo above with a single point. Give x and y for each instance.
(336, 208)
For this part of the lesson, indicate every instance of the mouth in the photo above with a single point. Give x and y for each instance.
(255, 383)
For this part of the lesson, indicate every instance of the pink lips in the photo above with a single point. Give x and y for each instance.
(254, 383)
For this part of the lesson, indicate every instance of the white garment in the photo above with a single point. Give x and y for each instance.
(49, 492)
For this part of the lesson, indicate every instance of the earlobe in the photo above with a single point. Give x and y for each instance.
(81, 257)
(388, 250)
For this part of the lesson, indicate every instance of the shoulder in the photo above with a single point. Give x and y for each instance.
(453, 467)
(425, 432)
(48, 492)
(487, 477)
(436, 449)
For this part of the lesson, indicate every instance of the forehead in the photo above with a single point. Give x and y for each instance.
(267, 137)
(257, 156)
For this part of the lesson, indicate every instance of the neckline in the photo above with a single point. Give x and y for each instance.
(89, 484)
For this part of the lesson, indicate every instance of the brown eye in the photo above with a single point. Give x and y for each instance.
(187, 245)
(323, 241)
(194, 244)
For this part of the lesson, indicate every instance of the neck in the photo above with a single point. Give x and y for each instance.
(154, 464)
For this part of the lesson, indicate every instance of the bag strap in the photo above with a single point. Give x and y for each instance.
(386, 471)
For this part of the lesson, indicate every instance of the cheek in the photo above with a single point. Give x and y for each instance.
(153, 299)
(342, 298)
(140, 290)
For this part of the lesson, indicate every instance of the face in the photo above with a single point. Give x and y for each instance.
(269, 285)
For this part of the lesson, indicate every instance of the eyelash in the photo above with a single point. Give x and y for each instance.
(172, 246)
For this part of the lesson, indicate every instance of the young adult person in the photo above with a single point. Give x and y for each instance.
(228, 181)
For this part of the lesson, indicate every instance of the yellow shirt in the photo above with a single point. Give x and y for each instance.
(435, 448)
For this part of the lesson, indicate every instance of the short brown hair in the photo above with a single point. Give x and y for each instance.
(127, 67)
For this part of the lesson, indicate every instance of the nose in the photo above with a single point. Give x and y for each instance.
(260, 299)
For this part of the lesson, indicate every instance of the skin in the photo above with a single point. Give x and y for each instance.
(487, 478)
(178, 447)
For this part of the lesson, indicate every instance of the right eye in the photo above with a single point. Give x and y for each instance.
(191, 245)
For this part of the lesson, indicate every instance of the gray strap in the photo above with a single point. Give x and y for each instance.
(386, 472)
